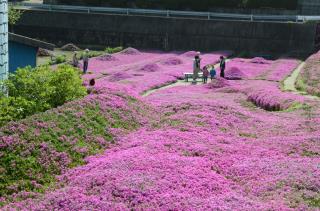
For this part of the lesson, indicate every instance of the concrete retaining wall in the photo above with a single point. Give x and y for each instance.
(309, 7)
(166, 33)
(268, 11)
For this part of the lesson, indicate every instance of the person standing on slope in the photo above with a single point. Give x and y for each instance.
(196, 67)
(212, 72)
(85, 59)
(75, 62)
(205, 72)
(222, 66)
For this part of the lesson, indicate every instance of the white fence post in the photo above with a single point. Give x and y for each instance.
(4, 42)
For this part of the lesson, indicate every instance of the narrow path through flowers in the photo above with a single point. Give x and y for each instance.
(289, 83)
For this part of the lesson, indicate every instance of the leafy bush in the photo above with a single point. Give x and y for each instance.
(39, 89)
(58, 60)
(113, 50)
(14, 15)
(12, 108)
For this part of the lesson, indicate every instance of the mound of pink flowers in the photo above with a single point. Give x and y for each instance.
(107, 57)
(198, 147)
(234, 73)
(172, 61)
(309, 80)
(130, 51)
(260, 60)
(218, 83)
(260, 68)
(119, 76)
(268, 95)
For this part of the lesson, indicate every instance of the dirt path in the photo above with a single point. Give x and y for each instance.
(289, 83)
(177, 83)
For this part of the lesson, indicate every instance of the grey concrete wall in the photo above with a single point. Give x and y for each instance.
(166, 33)
(268, 11)
(309, 7)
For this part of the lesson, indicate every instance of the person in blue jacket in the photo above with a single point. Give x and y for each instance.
(212, 72)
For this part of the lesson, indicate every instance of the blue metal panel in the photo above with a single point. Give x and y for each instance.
(21, 55)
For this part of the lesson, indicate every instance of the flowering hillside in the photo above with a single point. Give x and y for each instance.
(34, 150)
(309, 80)
(226, 145)
(260, 68)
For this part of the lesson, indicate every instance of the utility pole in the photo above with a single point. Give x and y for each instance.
(4, 57)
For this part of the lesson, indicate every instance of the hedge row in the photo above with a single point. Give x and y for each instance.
(202, 5)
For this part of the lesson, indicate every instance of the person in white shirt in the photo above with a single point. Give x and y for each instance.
(196, 67)
(85, 59)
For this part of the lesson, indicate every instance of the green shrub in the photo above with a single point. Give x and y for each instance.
(67, 86)
(39, 89)
(111, 50)
(58, 60)
(13, 108)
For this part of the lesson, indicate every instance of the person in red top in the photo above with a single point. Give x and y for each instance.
(205, 72)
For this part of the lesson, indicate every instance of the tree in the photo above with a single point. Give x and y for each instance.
(14, 16)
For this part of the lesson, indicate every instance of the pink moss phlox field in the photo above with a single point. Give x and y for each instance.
(147, 70)
(60, 138)
(308, 80)
(170, 170)
(234, 73)
(107, 57)
(190, 54)
(119, 76)
(260, 60)
(172, 61)
(268, 95)
(282, 68)
(259, 68)
(218, 83)
(191, 147)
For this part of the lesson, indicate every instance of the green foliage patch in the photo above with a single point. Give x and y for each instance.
(33, 90)
(111, 50)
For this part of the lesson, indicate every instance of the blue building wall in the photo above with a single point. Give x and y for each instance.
(21, 55)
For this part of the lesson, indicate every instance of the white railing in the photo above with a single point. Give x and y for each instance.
(167, 13)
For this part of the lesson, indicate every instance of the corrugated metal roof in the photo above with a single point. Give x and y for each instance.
(30, 41)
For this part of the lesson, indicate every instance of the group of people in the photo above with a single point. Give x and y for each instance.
(208, 69)
(85, 59)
